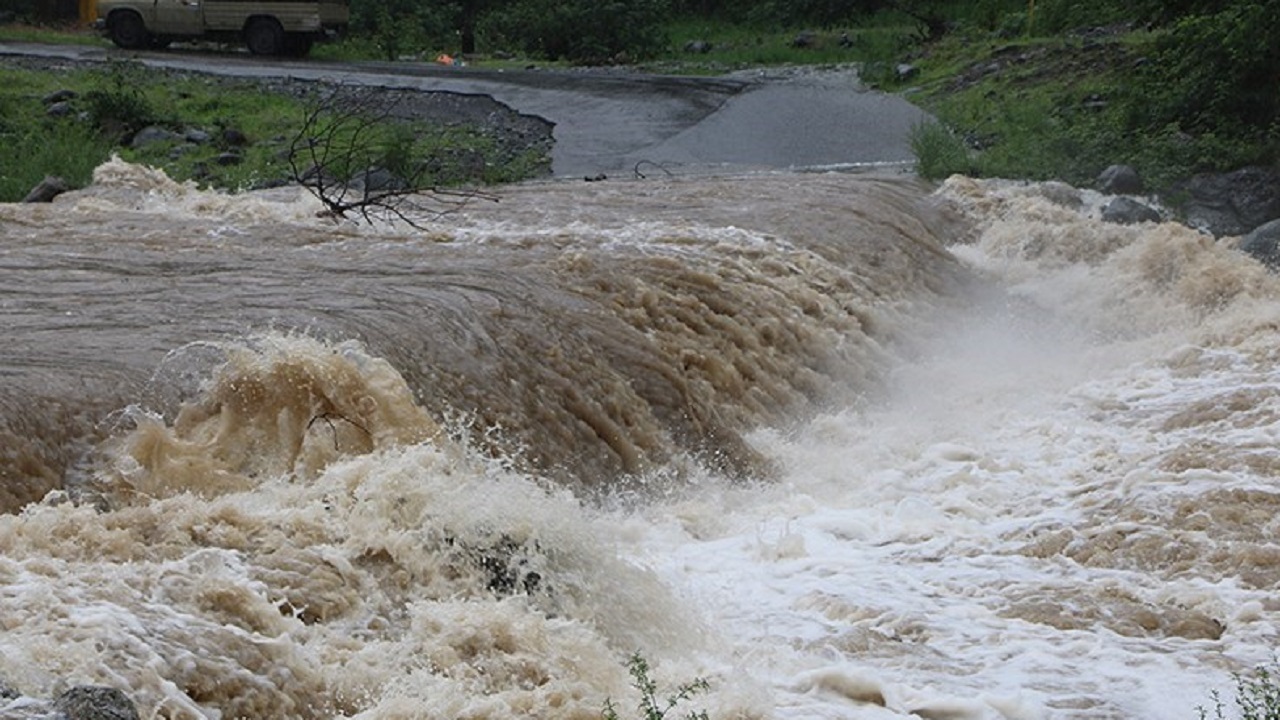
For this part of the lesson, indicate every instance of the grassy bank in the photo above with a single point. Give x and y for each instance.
(1057, 108)
(1008, 102)
(217, 132)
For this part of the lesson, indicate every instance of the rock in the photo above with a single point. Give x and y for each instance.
(378, 180)
(905, 71)
(58, 96)
(197, 136)
(150, 135)
(700, 47)
(95, 702)
(47, 189)
(6, 692)
(1233, 203)
(228, 158)
(845, 40)
(234, 137)
(1263, 243)
(805, 39)
(1126, 211)
(62, 108)
(1120, 180)
(1061, 193)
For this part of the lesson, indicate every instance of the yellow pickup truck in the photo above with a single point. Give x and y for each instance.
(266, 27)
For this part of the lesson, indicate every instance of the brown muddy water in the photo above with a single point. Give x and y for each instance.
(845, 446)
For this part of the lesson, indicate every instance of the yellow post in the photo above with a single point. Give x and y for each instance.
(88, 11)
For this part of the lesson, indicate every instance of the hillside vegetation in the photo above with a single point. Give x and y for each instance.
(1037, 89)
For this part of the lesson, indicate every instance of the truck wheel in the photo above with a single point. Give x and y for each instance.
(128, 31)
(264, 36)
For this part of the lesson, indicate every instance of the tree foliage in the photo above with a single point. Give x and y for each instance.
(591, 31)
(1219, 71)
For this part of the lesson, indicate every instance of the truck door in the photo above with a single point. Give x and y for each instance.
(179, 17)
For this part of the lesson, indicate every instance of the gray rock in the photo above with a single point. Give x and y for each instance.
(47, 189)
(700, 47)
(178, 151)
(152, 134)
(1126, 211)
(95, 702)
(1120, 180)
(377, 180)
(1233, 203)
(58, 96)
(62, 108)
(228, 158)
(1263, 243)
(1061, 193)
(805, 39)
(906, 71)
(197, 136)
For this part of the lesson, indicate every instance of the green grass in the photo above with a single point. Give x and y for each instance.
(1054, 108)
(120, 98)
(67, 34)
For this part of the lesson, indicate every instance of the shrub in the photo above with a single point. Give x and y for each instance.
(1257, 697)
(118, 105)
(939, 153)
(650, 707)
(1217, 71)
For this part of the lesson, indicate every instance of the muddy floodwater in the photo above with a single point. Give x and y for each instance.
(842, 445)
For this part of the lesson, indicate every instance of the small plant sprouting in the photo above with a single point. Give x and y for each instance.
(650, 707)
(1257, 696)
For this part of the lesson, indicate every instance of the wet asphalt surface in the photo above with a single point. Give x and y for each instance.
(616, 123)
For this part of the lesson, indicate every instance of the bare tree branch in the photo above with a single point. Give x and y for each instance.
(362, 160)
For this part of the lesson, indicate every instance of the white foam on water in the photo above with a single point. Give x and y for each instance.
(896, 571)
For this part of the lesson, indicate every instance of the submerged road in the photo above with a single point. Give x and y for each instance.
(607, 122)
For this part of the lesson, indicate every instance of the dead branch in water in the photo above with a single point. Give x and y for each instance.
(329, 417)
(362, 159)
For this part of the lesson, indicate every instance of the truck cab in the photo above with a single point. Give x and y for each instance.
(270, 27)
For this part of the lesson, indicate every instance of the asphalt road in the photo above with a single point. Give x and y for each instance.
(609, 122)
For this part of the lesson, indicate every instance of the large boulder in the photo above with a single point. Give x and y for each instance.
(1233, 203)
(1120, 180)
(1127, 211)
(47, 189)
(1263, 242)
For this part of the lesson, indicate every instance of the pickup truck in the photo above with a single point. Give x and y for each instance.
(266, 27)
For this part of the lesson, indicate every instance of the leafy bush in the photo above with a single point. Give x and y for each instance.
(117, 105)
(650, 707)
(939, 153)
(1217, 71)
(1257, 697)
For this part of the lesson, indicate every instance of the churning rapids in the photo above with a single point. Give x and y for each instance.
(844, 446)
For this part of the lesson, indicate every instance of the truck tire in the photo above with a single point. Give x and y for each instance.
(128, 31)
(264, 36)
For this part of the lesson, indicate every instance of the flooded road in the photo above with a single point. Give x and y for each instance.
(607, 122)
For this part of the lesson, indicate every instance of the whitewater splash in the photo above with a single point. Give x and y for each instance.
(840, 445)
